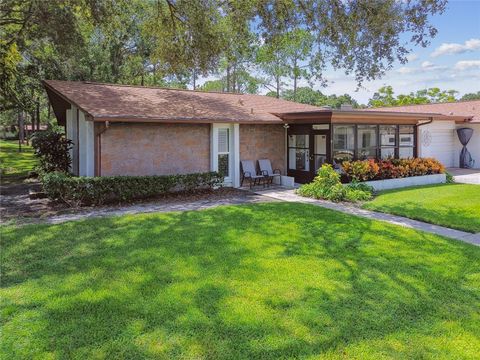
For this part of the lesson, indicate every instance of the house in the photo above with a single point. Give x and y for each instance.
(439, 139)
(134, 130)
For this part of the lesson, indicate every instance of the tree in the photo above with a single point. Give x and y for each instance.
(172, 42)
(471, 96)
(306, 95)
(384, 97)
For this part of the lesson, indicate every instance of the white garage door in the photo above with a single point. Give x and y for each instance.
(437, 140)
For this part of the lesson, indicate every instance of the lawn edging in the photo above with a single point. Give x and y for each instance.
(388, 184)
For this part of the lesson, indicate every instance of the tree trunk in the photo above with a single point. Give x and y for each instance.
(277, 78)
(37, 115)
(194, 73)
(228, 78)
(295, 77)
(21, 133)
(234, 78)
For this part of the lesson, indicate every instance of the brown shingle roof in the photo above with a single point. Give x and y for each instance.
(460, 108)
(123, 102)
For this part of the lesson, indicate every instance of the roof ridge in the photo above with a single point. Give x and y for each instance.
(165, 88)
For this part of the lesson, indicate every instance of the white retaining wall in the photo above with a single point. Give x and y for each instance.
(379, 185)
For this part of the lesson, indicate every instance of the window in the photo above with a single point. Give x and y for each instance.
(224, 151)
(407, 141)
(343, 142)
(299, 152)
(366, 141)
(388, 141)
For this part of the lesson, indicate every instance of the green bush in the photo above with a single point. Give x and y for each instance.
(356, 191)
(450, 179)
(327, 185)
(75, 190)
(52, 150)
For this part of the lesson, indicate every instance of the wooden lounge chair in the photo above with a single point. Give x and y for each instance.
(266, 170)
(249, 173)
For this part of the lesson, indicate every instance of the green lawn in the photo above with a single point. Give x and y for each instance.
(15, 165)
(262, 281)
(453, 205)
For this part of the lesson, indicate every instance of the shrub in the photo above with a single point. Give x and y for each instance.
(75, 190)
(450, 179)
(327, 185)
(364, 170)
(361, 170)
(358, 192)
(52, 150)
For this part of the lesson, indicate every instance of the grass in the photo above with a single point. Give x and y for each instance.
(15, 165)
(264, 281)
(452, 205)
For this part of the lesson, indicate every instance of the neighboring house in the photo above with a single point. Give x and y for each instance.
(133, 130)
(439, 139)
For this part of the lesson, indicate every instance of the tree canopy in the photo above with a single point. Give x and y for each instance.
(173, 42)
(385, 96)
(471, 96)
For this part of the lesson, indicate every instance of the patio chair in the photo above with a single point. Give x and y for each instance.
(249, 172)
(266, 170)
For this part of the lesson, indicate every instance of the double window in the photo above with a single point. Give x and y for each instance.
(373, 141)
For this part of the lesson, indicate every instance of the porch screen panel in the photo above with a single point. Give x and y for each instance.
(224, 151)
(406, 141)
(366, 142)
(343, 142)
(388, 141)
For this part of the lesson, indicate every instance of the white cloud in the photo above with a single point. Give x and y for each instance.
(427, 65)
(454, 48)
(407, 70)
(467, 65)
(412, 57)
(424, 67)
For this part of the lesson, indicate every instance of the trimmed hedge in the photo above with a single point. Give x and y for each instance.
(364, 170)
(75, 190)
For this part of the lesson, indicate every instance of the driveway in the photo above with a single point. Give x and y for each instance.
(465, 176)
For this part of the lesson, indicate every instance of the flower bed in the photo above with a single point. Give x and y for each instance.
(365, 170)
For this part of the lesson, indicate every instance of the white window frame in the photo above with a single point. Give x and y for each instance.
(233, 159)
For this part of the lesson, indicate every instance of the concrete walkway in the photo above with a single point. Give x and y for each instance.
(465, 176)
(290, 196)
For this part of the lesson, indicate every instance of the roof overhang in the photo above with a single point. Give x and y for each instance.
(363, 117)
(184, 120)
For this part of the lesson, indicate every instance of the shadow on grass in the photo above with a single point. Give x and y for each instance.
(253, 281)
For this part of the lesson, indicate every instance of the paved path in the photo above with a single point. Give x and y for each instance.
(160, 206)
(465, 176)
(289, 195)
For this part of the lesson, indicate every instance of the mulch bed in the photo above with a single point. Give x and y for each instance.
(16, 205)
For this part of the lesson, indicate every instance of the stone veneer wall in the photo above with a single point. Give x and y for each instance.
(155, 149)
(263, 142)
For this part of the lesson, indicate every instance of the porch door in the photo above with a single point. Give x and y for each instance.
(308, 150)
(321, 150)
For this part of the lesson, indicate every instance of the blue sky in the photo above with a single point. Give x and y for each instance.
(451, 61)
